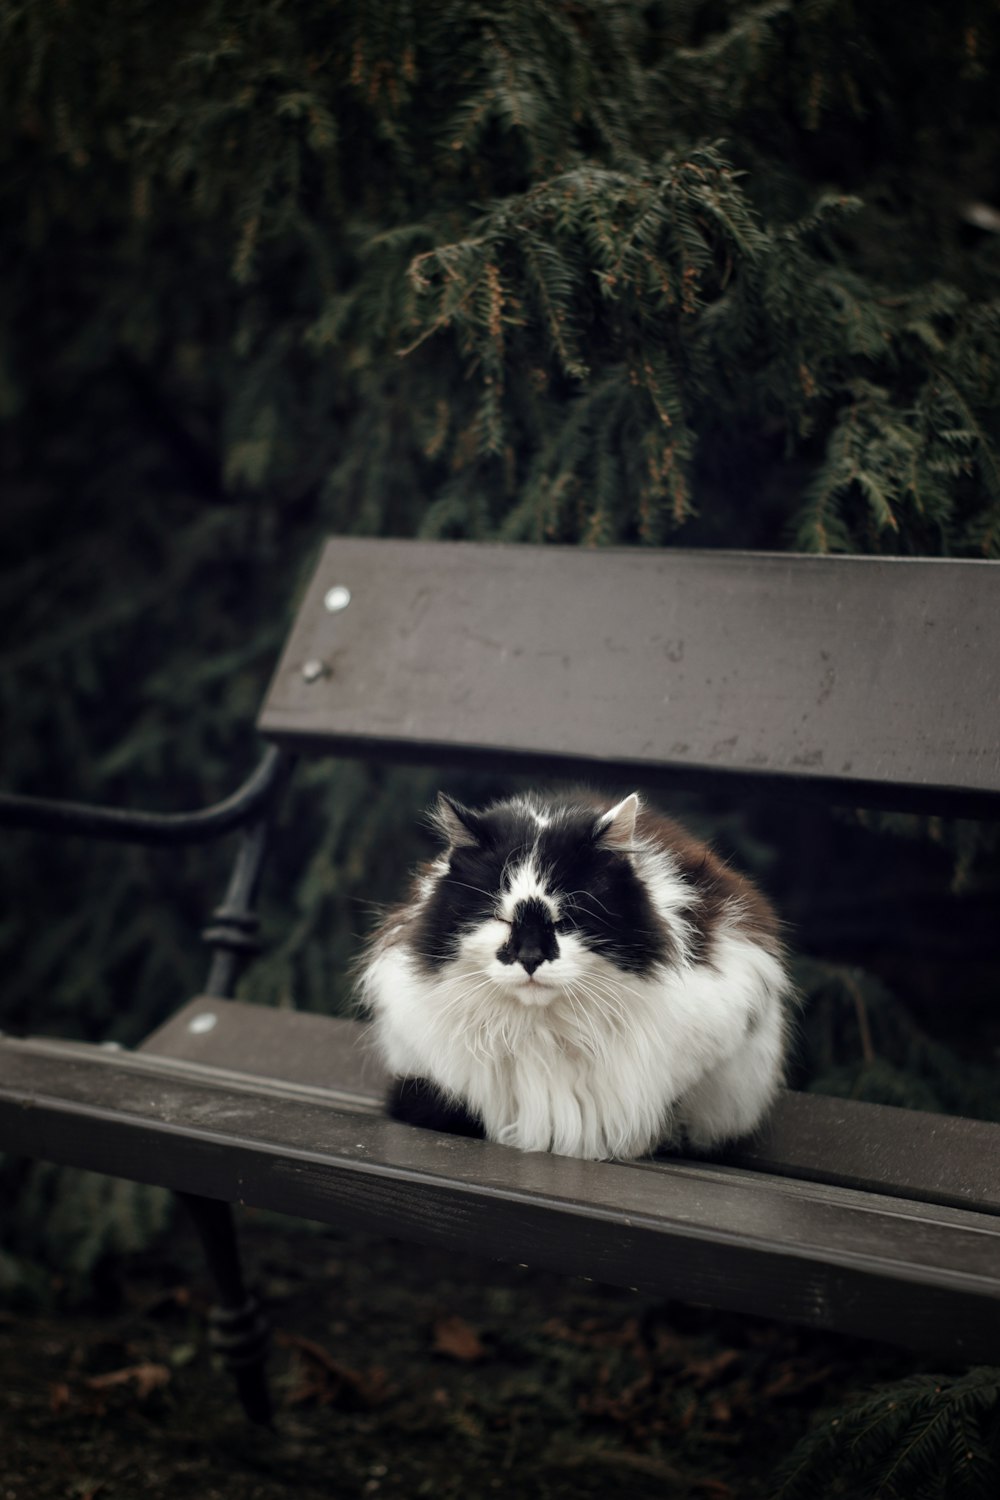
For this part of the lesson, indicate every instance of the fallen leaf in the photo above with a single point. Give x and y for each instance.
(173, 1300)
(458, 1340)
(327, 1382)
(594, 1333)
(795, 1380)
(614, 1458)
(59, 1396)
(720, 1410)
(148, 1377)
(703, 1371)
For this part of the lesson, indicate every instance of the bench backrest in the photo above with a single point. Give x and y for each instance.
(875, 680)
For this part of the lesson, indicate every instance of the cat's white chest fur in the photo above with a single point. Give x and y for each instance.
(692, 1053)
(583, 983)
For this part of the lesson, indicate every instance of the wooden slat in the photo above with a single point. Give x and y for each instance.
(288, 1046)
(916, 1274)
(846, 672)
(939, 1159)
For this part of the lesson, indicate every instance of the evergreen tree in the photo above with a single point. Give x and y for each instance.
(686, 272)
(932, 1437)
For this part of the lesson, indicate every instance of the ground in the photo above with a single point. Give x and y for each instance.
(401, 1372)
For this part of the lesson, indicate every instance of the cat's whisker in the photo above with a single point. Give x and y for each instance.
(599, 984)
(605, 1002)
(463, 981)
(459, 1015)
(615, 986)
(590, 897)
(464, 993)
(505, 872)
(602, 1035)
(450, 880)
(609, 1003)
(597, 1047)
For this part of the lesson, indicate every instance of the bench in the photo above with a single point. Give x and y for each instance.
(868, 681)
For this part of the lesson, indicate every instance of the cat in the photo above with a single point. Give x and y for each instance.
(582, 978)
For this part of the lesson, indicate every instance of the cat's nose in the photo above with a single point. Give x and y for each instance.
(532, 937)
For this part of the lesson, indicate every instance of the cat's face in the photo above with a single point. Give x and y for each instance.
(538, 901)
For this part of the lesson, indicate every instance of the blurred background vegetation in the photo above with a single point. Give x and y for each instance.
(700, 273)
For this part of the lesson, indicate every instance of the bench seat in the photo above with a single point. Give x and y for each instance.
(282, 1110)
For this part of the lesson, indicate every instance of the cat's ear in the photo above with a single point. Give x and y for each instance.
(616, 829)
(458, 825)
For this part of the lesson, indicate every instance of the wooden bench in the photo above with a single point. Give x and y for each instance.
(869, 681)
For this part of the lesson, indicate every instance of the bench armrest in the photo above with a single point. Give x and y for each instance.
(120, 825)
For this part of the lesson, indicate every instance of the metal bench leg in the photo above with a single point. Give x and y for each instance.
(239, 1329)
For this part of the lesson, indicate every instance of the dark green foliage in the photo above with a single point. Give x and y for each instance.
(703, 272)
(860, 1042)
(502, 259)
(933, 1437)
(78, 1222)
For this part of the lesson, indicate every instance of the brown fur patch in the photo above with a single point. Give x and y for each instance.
(717, 889)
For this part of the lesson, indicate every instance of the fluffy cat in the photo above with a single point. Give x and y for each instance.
(582, 978)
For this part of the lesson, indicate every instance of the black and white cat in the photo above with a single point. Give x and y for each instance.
(580, 978)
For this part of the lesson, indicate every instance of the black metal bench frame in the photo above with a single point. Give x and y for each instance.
(238, 1328)
(872, 1220)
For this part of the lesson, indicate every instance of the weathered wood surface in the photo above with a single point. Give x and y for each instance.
(930, 1158)
(855, 673)
(919, 1274)
(287, 1046)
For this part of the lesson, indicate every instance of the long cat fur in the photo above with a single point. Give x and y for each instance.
(656, 1009)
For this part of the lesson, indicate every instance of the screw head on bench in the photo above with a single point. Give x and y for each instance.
(337, 598)
(313, 670)
(203, 1022)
